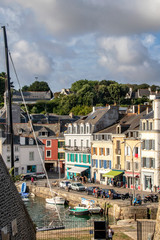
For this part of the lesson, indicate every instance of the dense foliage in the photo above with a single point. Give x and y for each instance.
(84, 94)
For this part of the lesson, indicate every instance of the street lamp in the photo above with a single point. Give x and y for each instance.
(132, 151)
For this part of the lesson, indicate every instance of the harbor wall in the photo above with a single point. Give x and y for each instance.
(117, 208)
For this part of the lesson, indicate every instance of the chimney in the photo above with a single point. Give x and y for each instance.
(94, 109)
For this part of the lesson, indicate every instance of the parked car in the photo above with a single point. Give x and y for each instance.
(89, 190)
(77, 186)
(115, 195)
(64, 184)
(26, 177)
(39, 175)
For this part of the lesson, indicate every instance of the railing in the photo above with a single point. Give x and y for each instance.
(118, 151)
(78, 149)
(118, 166)
(67, 230)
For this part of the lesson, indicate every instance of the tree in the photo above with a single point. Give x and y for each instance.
(37, 86)
(25, 88)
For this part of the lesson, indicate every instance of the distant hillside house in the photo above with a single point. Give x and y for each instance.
(142, 93)
(65, 91)
(31, 97)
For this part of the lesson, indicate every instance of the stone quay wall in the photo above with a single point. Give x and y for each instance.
(119, 209)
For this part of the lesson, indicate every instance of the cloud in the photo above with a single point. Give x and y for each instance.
(128, 59)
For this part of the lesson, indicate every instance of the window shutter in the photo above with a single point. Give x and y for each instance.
(105, 164)
(110, 164)
(92, 150)
(153, 144)
(96, 150)
(80, 158)
(76, 157)
(67, 157)
(96, 163)
(104, 151)
(99, 163)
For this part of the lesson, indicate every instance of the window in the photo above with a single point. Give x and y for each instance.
(48, 143)
(16, 158)
(150, 125)
(87, 129)
(61, 144)
(8, 158)
(16, 148)
(8, 148)
(94, 150)
(69, 142)
(74, 142)
(101, 151)
(87, 157)
(128, 165)
(61, 155)
(127, 149)
(82, 129)
(48, 153)
(118, 144)
(107, 151)
(148, 162)
(102, 164)
(69, 129)
(31, 141)
(31, 168)
(31, 156)
(102, 178)
(118, 160)
(87, 143)
(81, 143)
(136, 166)
(144, 126)
(93, 162)
(148, 144)
(74, 129)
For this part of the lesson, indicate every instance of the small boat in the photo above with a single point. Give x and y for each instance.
(79, 211)
(92, 207)
(56, 200)
(23, 187)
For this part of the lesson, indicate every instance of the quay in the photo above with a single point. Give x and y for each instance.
(120, 209)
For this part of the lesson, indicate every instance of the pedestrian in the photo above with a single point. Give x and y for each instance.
(110, 233)
(109, 193)
(96, 192)
(32, 180)
(104, 194)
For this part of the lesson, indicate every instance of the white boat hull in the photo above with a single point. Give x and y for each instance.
(56, 200)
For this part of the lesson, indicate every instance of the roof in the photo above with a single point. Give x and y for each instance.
(128, 122)
(16, 140)
(150, 115)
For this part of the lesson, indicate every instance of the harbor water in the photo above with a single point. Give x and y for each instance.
(43, 214)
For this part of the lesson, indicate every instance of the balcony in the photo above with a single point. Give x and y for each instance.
(78, 149)
(118, 166)
(118, 151)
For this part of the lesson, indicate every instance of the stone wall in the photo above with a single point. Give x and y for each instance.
(118, 209)
(15, 222)
(157, 229)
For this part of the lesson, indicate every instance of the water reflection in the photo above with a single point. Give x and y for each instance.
(43, 213)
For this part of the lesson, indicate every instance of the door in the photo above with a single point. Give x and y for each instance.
(94, 176)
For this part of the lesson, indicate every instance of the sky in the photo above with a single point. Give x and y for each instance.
(63, 41)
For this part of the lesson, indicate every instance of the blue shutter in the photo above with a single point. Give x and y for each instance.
(96, 163)
(105, 163)
(110, 164)
(76, 157)
(68, 157)
(99, 163)
(89, 159)
(80, 158)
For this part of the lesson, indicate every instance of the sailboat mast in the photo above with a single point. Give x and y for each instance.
(10, 121)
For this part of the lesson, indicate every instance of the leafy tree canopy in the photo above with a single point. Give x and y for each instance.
(37, 86)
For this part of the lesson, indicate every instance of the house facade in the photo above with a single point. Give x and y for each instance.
(26, 155)
(150, 135)
(79, 136)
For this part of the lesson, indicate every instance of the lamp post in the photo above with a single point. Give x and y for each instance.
(132, 151)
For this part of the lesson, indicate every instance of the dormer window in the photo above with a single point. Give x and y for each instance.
(118, 130)
(87, 129)
(82, 129)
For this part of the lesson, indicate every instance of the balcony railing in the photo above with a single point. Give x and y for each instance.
(118, 166)
(78, 149)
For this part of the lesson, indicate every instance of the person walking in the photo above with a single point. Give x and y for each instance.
(110, 233)
(32, 180)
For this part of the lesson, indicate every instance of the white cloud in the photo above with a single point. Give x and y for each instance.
(149, 40)
(129, 59)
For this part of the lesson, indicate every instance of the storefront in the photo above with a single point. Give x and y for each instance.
(115, 178)
(148, 180)
(129, 180)
(75, 172)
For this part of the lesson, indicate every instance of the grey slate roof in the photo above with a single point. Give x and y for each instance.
(16, 140)
(127, 123)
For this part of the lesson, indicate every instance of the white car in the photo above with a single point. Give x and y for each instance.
(64, 184)
(77, 186)
(39, 176)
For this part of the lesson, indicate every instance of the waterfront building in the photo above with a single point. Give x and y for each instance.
(125, 159)
(102, 155)
(26, 154)
(79, 136)
(150, 160)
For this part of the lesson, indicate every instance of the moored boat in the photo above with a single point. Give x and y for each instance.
(79, 211)
(56, 200)
(92, 207)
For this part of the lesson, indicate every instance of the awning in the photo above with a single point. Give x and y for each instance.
(112, 174)
(77, 169)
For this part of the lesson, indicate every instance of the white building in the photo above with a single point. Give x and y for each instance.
(26, 154)
(150, 135)
(79, 136)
